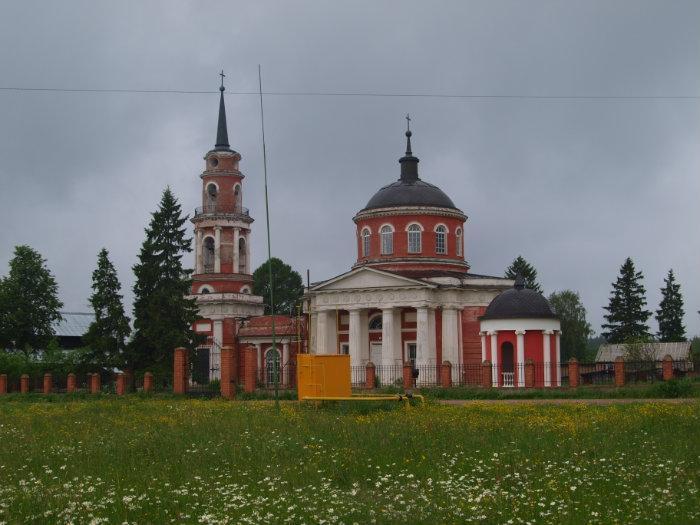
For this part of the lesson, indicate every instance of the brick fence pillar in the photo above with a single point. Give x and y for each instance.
(446, 374)
(95, 383)
(148, 382)
(180, 371)
(24, 384)
(407, 376)
(250, 374)
(574, 378)
(486, 380)
(48, 383)
(70, 383)
(370, 375)
(667, 367)
(228, 384)
(121, 384)
(619, 371)
(529, 373)
(3, 384)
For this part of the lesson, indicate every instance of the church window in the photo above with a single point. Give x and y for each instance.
(237, 197)
(387, 235)
(212, 192)
(241, 255)
(440, 244)
(208, 252)
(365, 242)
(414, 238)
(272, 366)
(375, 323)
(459, 242)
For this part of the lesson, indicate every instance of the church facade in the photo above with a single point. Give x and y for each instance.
(410, 296)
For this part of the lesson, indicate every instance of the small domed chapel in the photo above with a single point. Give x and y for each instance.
(410, 296)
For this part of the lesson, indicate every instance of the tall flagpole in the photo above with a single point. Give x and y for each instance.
(276, 361)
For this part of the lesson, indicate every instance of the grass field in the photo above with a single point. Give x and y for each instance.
(187, 461)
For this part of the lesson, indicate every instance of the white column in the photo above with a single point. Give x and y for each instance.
(558, 358)
(520, 361)
(547, 357)
(450, 340)
(388, 332)
(198, 253)
(483, 346)
(355, 337)
(248, 250)
(217, 249)
(215, 356)
(322, 320)
(258, 347)
(364, 337)
(236, 255)
(285, 362)
(494, 357)
(432, 344)
(313, 333)
(425, 336)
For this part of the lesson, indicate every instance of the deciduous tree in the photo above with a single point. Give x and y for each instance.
(288, 287)
(575, 329)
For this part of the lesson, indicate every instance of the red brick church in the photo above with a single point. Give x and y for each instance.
(410, 296)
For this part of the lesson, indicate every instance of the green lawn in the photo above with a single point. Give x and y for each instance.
(186, 461)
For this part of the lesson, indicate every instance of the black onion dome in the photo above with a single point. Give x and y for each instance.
(418, 193)
(409, 190)
(519, 303)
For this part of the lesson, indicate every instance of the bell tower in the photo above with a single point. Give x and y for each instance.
(222, 282)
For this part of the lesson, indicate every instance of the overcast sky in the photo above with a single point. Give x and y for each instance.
(575, 186)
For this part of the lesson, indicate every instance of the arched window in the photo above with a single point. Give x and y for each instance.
(241, 255)
(211, 194)
(387, 235)
(206, 289)
(375, 323)
(365, 242)
(208, 254)
(272, 366)
(414, 238)
(459, 242)
(237, 198)
(440, 239)
(245, 289)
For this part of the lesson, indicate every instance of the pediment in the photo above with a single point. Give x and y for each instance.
(367, 278)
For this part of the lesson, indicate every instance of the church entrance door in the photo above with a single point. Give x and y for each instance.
(375, 353)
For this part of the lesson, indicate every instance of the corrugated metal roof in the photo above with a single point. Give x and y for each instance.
(678, 351)
(73, 324)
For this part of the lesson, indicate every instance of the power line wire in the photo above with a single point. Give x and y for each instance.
(352, 94)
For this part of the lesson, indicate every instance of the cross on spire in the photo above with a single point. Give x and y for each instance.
(408, 122)
(222, 80)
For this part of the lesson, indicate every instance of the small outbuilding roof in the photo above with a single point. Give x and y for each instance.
(261, 326)
(73, 324)
(678, 351)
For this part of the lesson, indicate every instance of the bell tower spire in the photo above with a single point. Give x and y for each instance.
(221, 130)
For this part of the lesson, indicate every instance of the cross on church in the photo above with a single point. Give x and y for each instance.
(222, 77)
(408, 122)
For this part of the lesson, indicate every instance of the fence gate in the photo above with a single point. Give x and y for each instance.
(205, 372)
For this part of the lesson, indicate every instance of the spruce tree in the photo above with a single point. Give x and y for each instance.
(29, 304)
(107, 334)
(627, 318)
(670, 312)
(521, 267)
(163, 315)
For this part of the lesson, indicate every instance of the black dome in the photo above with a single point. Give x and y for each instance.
(519, 303)
(415, 193)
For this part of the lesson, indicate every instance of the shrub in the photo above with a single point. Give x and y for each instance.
(673, 388)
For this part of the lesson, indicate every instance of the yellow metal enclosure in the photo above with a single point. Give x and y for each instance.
(323, 376)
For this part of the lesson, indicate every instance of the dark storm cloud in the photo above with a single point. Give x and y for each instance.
(575, 186)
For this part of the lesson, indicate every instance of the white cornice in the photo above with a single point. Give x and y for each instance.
(410, 210)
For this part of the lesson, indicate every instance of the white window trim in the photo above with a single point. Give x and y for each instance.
(205, 287)
(381, 238)
(459, 235)
(211, 182)
(365, 249)
(245, 289)
(445, 248)
(420, 238)
(447, 230)
(405, 349)
(369, 322)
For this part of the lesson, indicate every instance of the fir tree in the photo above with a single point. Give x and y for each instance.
(627, 318)
(29, 304)
(521, 267)
(107, 334)
(670, 312)
(163, 315)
